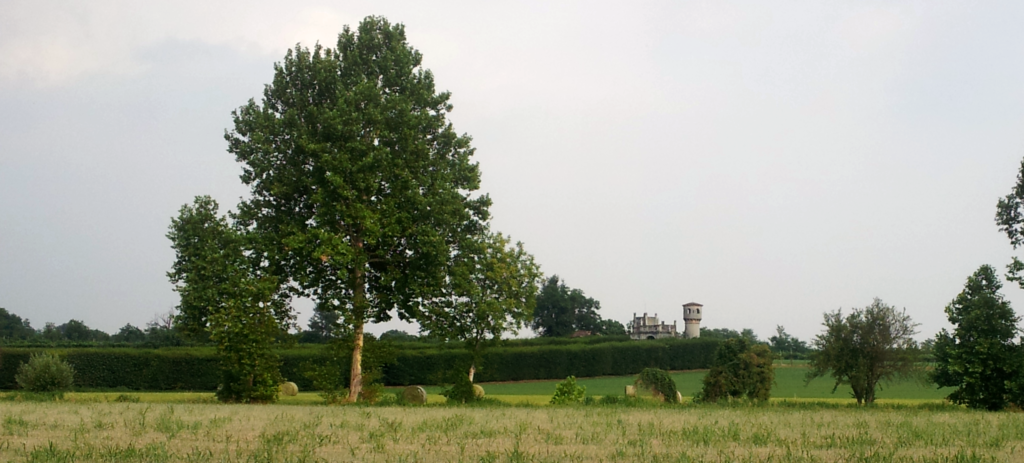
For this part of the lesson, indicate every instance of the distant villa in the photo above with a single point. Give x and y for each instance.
(646, 327)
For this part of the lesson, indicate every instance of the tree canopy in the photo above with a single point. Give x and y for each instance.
(360, 185)
(979, 357)
(562, 310)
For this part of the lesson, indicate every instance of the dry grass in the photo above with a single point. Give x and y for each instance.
(54, 432)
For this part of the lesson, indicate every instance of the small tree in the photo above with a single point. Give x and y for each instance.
(45, 372)
(869, 346)
(228, 293)
(658, 382)
(979, 358)
(741, 369)
(568, 392)
(491, 290)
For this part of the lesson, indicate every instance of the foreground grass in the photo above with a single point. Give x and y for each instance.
(55, 432)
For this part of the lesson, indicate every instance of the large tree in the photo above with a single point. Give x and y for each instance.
(864, 348)
(228, 291)
(492, 289)
(562, 310)
(360, 185)
(979, 358)
(1010, 218)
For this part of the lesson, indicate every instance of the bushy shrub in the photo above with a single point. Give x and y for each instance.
(45, 372)
(568, 392)
(741, 369)
(372, 392)
(658, 382)
(461, 390)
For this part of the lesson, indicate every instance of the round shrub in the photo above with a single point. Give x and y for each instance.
(289, 389)
(45, 372)
(568, 392)
(478, 391)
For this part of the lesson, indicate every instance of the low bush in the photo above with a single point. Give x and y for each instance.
(568, 392)
(45, 372)
(658, 382)
(461, 390)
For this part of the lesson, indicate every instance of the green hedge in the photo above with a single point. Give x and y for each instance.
(196, 368)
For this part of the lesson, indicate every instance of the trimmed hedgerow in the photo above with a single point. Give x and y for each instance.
(196, 368)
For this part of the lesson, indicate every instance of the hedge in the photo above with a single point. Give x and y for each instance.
(196, 368)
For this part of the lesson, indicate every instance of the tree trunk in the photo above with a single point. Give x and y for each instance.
(472, 371)
(356, 381)
(359, 305)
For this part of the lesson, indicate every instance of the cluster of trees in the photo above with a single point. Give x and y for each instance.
(562, 311)
(363, 199)
(17, 330)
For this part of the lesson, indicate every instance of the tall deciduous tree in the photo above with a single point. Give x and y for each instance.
(562, 310)
(979, 358)
(13, 327)
(1010, 218)
(492, 288)
(864, 348)
(227, 291)
(360, 185)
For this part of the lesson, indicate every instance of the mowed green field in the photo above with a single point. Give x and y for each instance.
(789, 384)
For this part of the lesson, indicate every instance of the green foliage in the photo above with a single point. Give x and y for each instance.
(228, 291)
(461, 391)
(741, 369)
(871, 345)
(329, 370)
(197, 368)
(979, 358)
(45, 372)
(786, 346)
(491, 290)
(611, 328)
(360, 187)
(568, 392)
(561, 310)
(13, 327)
(1010, 218)
(659, 382)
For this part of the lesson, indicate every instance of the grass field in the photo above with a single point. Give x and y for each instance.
(145, 432)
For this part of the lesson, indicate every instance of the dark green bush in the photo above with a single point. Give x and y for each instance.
(742, 369)
(461, 391)
(659, 382)
(45, 372)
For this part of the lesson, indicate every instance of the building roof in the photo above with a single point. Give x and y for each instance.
(693, 304)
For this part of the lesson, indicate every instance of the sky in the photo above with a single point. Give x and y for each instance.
(771, 160)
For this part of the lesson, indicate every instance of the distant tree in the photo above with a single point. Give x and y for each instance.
(398, 336)
(491, 290)
(979, 358)
(742, 368)
(611, 328)
(324, 325)
(869, 346)
(360, 186)
(129, 334)
(77, 331)
(750, 334)
(51, 333)
(786, 345)
(226, 290)
(561, 310)
(13, 327)
(718, 333)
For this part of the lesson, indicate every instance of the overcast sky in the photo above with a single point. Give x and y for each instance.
(770, 160)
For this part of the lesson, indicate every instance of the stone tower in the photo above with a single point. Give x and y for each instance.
(691, 316)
